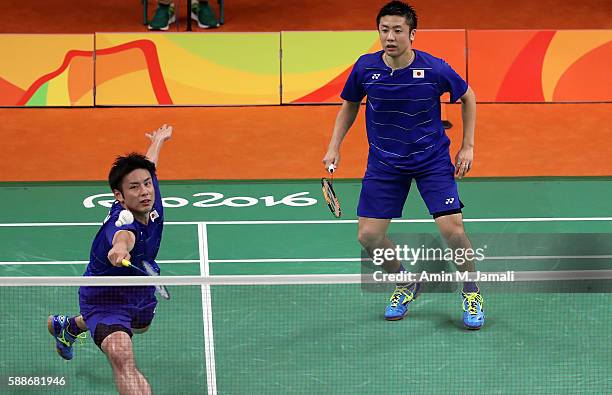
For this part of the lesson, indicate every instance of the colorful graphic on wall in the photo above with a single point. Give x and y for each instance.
(187, 68)
(46, 70)
(245, 68)
(541, 66)
(316, 64)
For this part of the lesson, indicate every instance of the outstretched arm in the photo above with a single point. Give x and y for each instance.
(344, 121)
(123, 243)
(465, 156)
(157, 138)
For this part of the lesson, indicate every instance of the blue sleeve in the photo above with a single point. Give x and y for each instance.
(353, 88)
(158, 197)
(451, 82)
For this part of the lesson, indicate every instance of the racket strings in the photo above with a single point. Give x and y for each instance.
(330, 197)
(161, 289)
(149, 269)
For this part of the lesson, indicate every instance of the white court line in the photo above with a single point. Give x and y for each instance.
(209, 341)
(206, 267)
(45, 224)
(339, 221)
(276, 260)
(487, 258)
(8, 263)
(562, 275)
(412, 221)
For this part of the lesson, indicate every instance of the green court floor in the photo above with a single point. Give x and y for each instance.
(315, 339)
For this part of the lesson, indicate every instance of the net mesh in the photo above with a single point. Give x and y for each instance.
(272, 334)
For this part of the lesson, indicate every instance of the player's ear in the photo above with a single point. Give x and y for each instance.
(118, 195)
(412, 34)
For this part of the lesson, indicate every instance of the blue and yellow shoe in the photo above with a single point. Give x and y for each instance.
(400, 300)
(57, 326)
(473, 310)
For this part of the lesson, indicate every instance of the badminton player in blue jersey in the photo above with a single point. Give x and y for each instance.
(407, 142)
(114, 314)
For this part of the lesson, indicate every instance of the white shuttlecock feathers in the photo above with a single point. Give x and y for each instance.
(125, 218)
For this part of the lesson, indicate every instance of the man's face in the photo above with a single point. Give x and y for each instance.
(395, 35)
(138, 193)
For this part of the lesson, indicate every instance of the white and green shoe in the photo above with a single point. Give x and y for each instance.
(163, 18)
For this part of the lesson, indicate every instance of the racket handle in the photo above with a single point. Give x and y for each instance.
(331, 168)
(126, 263)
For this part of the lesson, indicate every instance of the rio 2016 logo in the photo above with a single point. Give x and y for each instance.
(213, 199)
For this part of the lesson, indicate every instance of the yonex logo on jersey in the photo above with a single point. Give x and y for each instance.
(418, 73)
(375, 76)
(449, 201)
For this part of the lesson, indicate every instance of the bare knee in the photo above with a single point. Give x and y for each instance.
(118, 348)
(372, 233)
(453, 232)
(370, 239)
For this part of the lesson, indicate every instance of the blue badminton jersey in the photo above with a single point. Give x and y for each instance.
(148, 240)
(403, 121)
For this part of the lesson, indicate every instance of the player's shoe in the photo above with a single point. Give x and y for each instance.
(57, 326)
(473, 310)
(400, 301)
(164, 16)
(204, 15)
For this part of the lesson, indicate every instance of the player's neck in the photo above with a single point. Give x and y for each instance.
(142, 218)
(399, 62)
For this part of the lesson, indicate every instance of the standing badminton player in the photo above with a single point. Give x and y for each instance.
(407, 141)
(114, 314)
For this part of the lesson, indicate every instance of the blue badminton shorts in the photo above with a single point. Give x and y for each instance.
(384, 191)
(129, 317)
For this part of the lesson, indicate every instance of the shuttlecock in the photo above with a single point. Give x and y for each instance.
(125, 218)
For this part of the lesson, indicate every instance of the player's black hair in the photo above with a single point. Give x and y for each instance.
(398, 8)
(126, 164)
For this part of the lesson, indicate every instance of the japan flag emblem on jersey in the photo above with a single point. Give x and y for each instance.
(418, 73)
